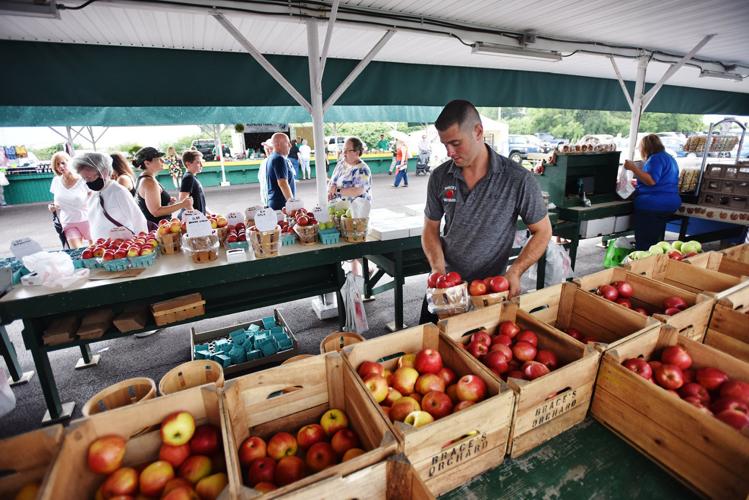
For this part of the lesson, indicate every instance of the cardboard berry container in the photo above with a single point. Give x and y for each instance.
(650, 294)
(686, 276)
(706, 454)
(548, 405)
(286, 398)
(28, 458)
(70, 476)
(450, 451)
(566, 306)
(721, 262)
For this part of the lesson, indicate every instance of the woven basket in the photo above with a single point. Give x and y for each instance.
(336, 341)
(170, 243)
(307, 234)
(191, 374)
(354, 230)
(124, 393)
(265, 243)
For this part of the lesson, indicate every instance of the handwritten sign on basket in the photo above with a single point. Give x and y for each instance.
(320, 214)
(120, 233)
(266, 219)
(25, 246)
(293, 204)
(198, 225)
(235, 218)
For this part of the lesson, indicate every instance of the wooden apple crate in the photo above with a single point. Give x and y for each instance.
(287, 397)
(702, 451)
(738, 252)
(27, 458)
(650, 294)
(720, 262)
(450, 451)
(392, 479)
(551, 404)
(686, 276)
(488, 299)
(170, 243)
(568, 306)
(178, 309)
(729, 331)
(738, 299)
(70, 476)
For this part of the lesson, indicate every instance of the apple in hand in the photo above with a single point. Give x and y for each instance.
(437, 404)
(428, 361)
(261, 470)
(333, 420)
(282, 444)
(251, 448)
(669, 376)
(177, 428)
(309, 435)
(105, 454)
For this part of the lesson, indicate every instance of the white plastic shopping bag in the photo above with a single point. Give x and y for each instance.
(356, 316)
(7, 398)
(624, 187)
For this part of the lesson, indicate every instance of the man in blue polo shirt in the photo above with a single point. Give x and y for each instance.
(279, 173)
(480, 194)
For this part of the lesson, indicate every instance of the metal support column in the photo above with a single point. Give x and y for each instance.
(56, 411)
(87, 360)
(315, 84)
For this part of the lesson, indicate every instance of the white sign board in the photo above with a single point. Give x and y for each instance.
(250, 212)
(293, 204)
(25, 246)
(198, 225)
(320, 214)
(266, 219)
(235, 218)
(120, 233)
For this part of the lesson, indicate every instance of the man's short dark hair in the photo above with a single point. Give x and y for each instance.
(458, 111)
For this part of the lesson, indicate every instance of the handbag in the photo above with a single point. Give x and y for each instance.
(110, 218)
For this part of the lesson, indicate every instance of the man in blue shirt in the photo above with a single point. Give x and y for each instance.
(279, 173)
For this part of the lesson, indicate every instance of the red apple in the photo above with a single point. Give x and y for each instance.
(344, 440)
(497, 362)
(575, 333)
(711, 378)
(506, 350)
(368, 368)
(428, 383)
(608, 292)
(261, 470)
(309, 435)
(737, 389)
(282, 444)
(533, 370)
(442, 282)
(734, 418)
(265, 487)
(320, 456)
(671, 311)
(462, 405)
(106, 453)
(175, 455)
(676, 302)
(432, 280)
(639, 366)
(527, 336)
(695, 390)
(471, 388)
(206, 440)
(515, 374)
(453, 279)
(251, 448)
(404, 380)
(690, 375)
(448, 375)
(548, 358)
(502, 339)
(452, 391)
(477, 287)
(508, 328)
(428, 361)
(483, 337)
(123, 481)
(195, 468)
(641, 310)
(723, 404)
(288, 470)
(437, 404)
(695, 401)
(499, 284)
(154, 477)
(624, 302)
(676, 355)
(477, 349)
(402, 407)
(669, 376)
(524, 351)
(624, 289)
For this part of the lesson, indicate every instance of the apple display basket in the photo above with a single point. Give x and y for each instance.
(330, 236)
(336, 341)
(354, 230)
(488, 299)
(191, 374)
(143, 261)
(307, 234)
(265, 243)
(115, 264)
(28, 458)
(91, 263)
(446, 302)
(123, 393)
(289, 396)
(222, 233)
(201, 248)
(170, 243)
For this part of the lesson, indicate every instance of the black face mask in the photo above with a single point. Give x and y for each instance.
(96, 185)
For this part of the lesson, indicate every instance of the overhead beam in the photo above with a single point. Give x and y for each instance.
(277, 76)
(328, 36)
(621, 82)
(357, 70)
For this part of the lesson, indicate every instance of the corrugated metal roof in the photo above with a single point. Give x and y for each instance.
(669, 25)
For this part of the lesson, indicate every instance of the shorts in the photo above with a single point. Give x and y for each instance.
(77, 230)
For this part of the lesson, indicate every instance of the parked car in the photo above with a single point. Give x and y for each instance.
(334, 144)
(596, 139)
(548, 142)
(521, 145)
(205, 146)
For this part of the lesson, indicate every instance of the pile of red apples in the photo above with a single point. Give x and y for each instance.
(621, 292)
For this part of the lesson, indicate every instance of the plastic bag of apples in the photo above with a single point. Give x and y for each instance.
(447, 294)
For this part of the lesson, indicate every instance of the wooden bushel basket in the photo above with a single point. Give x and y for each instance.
(124, 393)
(336, 341)
(191, 374)
(170, 243)
(307, 234)
(265, 243)
(354, 230)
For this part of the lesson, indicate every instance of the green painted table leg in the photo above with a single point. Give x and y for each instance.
(541, 272)
(339, 297)
(367, 283)
(8, 351)
(575, 241)
(87, 360)
(398, 293)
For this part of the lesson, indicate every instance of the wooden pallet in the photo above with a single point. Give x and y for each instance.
(286, 398)
(729, 332)
(452, 450)
(27, 458)
(708, 455)
(551, 404)
(70, 476)
(650, 294)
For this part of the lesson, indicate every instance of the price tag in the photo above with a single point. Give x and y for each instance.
(320, 214)
(198, 226)
(25, 246)
(235, 218)
(293, 204)
(250, 212)
(120, 233)
(266, 219)
(189, 213)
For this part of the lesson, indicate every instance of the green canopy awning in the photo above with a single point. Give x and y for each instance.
(66, 84)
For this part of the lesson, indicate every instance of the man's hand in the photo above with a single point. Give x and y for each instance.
(514, 279)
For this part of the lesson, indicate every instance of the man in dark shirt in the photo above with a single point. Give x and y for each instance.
(294, 156)
(193, 162)
(279, 173)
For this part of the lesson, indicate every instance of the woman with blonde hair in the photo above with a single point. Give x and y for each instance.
(70, 195)
(122, 173)
(174, 163)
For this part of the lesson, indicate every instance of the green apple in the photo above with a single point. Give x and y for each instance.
(419, 418)
(665, 245)
(656, 249)
(676, 245)
(691, 246)
(639, 255)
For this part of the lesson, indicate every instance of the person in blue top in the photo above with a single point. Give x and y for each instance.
(279, 173)
(657, 196)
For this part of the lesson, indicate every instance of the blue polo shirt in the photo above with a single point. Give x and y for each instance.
(278, 167)
(664, 195)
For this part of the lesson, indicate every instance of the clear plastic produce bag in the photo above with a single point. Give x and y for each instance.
(356, 316)
(7, 398)
(558, 265)
(448, 301)
(54, 269)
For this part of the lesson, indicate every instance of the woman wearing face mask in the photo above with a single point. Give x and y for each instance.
(70, 195)
(150, 195)
(110, 204)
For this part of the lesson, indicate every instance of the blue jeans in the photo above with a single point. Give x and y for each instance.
(401, 175)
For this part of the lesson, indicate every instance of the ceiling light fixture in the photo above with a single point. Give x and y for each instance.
(30, 8)
(719, 74)
(519, 52)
